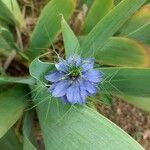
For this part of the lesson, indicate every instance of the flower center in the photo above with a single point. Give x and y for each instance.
(74, 73)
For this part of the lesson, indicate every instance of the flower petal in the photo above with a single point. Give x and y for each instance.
(64, 99)
(61, 66)
(74, 60)
(73, 94)
(88, 65)
(83, 94)
(54, 77)
(60, 88)
(52, 87)
(89, 87)
(93, 76)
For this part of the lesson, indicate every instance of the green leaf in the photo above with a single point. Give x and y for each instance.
(22, 80)
(70, 40)
(109, 25)
(12, 104)
(4, 44)
(5, 14)
(62, 125)
(116, 2)
(28, 140)
(142, 34)
(97, 11)
(140, 102)
(39, 73)
(49, 25)
(10, 141)
(10, 12)
(106, 99)
(85, 2)
(7, 42)
(148, 1)
(126, 81)
(120, 51)
(137, 21)
(78, 127)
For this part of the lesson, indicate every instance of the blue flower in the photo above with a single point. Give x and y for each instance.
(74, 79)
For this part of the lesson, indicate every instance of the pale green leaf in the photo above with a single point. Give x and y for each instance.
(78, 127)
(97, 11)
(140, 102)
(109, 25)
(70, 40)
(39, 73)
(62, 125)
(142, 34)
(48, 25)
(137, 21)
(126, 81)
(120, 51)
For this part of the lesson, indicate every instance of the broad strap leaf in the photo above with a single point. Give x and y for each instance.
(12, 104)
(96, 12)
(71, 42)
(48, 25)
(78, 127)
(28, 139)
(109, 25)
(126, 81)
(121, 51)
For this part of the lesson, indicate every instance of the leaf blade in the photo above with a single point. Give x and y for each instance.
(97, 11)
(120, 51)
(48, 25)
(13, 100)
(71, 42)
(64, 129)
(109, 25)
(127, 81)
(10, 140)
(28, 140)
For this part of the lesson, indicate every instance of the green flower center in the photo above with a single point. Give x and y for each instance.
(74, 73)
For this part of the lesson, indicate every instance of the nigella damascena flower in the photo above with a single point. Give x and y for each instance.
(74, 79)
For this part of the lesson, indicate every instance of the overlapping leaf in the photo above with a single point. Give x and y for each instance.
(22, 80)
(137, 21)
(126, 81)
(10, 141)
(97, 11)
(62, 127)
(120, 51)
(49, 25)
(109, 25)
(142, 34)
(71, 42)
(140, 102)
(28, 140)
(10, 12)
(14, 100)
